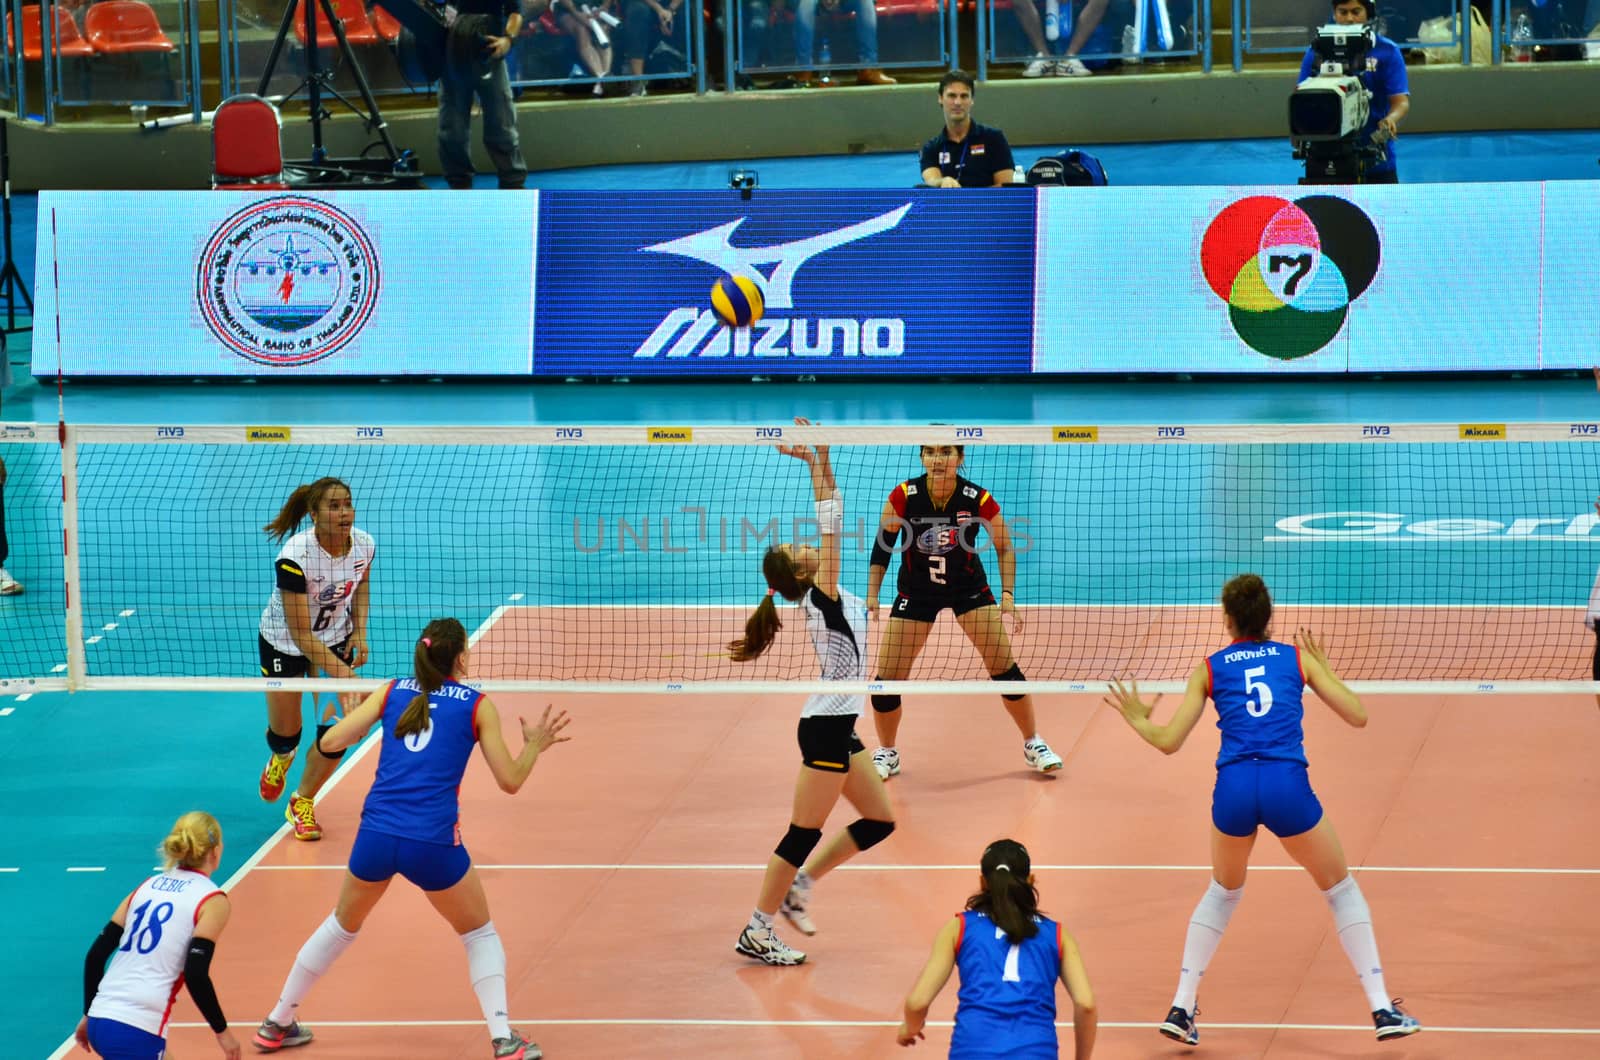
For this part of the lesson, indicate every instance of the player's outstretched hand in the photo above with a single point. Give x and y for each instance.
(803, 452)
(547, 732)
(907, 1036)
(229, 1045)
(1125, 697)
(1306, 641)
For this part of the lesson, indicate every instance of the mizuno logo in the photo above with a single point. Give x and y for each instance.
(713, 246)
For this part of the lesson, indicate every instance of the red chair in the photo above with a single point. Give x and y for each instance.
(125, 27)
(67, 39)
(246, 145)
(385, 25)
(357, 29)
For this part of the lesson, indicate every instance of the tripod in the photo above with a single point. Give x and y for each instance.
(10, 278)
(398, 168)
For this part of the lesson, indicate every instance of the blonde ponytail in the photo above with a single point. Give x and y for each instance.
(192, 839)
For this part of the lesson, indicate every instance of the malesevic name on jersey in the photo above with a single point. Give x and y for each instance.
(146, 971)
(330, 582)
(838, 631)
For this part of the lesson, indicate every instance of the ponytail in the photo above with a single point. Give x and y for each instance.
(763, 624)
(1009, 897)
(434, 660)
(192, 839)
(301, 502)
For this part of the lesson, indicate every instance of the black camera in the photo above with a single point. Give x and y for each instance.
(1328, 111)
(743, 181)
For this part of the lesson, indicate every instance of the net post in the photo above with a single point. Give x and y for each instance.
(77, 666)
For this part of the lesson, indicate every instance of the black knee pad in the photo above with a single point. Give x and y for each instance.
(282, 745)
(797, 844)
(322, 730)
(868, 833)
(885, 704)
(1013, 674)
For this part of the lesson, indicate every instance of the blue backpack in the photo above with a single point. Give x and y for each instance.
(1071, 167)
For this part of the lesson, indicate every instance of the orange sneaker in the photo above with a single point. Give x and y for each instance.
(302, 813)
(274, 774)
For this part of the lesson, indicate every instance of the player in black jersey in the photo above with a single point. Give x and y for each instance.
(935, 522)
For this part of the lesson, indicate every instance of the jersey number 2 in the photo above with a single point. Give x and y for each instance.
(936, 570)
(1256, 708)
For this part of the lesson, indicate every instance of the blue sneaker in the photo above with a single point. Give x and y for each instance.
(1392, 1023)
(1180, 1026)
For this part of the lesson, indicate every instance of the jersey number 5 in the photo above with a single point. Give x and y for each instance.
(1260, 688)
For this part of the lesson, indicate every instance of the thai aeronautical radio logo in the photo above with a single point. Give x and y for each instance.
(1289, 270)
(287, 281)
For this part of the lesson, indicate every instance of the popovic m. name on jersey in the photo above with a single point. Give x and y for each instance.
(695, 331)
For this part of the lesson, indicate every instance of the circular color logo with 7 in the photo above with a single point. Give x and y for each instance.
(1289, 270)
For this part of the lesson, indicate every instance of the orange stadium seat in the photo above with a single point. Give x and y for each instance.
(125, 27)
(68, 40)
(357, 28)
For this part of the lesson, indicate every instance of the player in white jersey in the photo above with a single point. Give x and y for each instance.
(315, 623)
(833, 760)
(161, 937)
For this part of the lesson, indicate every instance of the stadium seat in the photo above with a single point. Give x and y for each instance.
(385, 25)
(124, 27)
(246, 145)
(68, 41)
(357, 28)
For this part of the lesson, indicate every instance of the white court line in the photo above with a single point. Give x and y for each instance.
(6, 710)
(86, 868)
(24, 697)
(752, 867)
(254, 860)
(533, 1022)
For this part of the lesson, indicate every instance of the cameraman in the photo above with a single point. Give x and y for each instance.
(475, 65)
(1384, 77)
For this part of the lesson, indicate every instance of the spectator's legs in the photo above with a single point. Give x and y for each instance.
(805, 32)
(455, 126)
(867, 32)
(755, 32)
(1032, 28)
(637, 23)
(500, 137)
(1088, 21)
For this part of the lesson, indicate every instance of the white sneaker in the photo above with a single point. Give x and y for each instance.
(763, 944)
(1039, 66)
(1130, 45)
(9, 586)
(795, 906)
(886, 760)
(1037, 753)
(1072, 66)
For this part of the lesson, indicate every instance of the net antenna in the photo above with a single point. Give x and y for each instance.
(396, 167)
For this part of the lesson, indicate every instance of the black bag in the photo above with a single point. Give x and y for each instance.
(422, 42)
(1069, 168)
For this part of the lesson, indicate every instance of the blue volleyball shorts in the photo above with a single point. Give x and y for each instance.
(1264, 792)
(375, 857)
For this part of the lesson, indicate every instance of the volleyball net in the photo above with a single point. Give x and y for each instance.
(1425, 557)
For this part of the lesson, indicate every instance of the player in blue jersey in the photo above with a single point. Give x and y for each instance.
(833, 761)
(410, 825)
(1010, 958)
(1257, 684)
